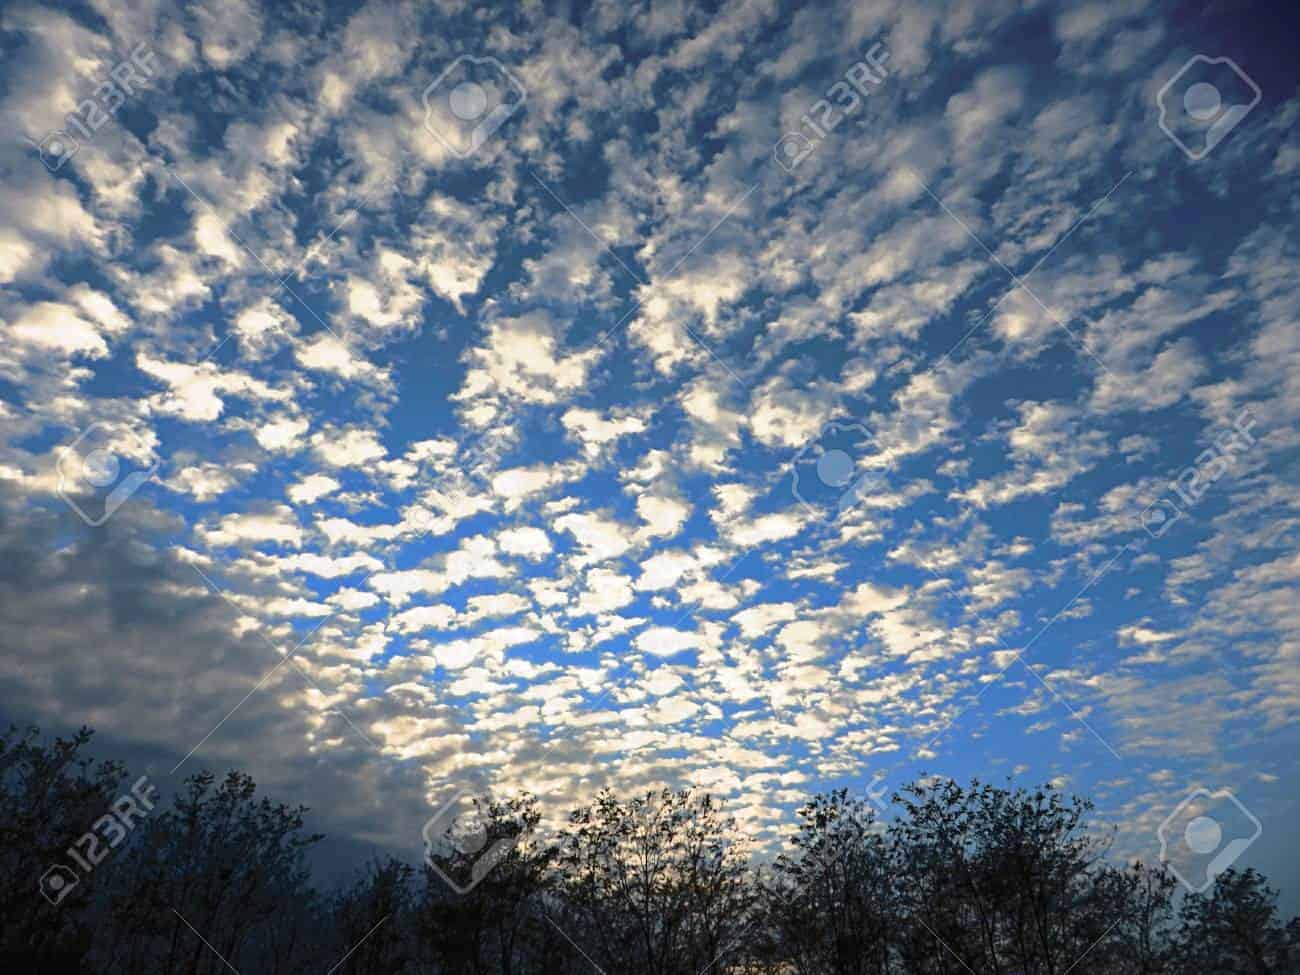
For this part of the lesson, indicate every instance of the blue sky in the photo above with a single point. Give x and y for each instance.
(753, 396)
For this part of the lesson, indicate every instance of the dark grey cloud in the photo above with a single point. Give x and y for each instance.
(108, 628)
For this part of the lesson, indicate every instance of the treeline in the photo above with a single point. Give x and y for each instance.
(976, 879)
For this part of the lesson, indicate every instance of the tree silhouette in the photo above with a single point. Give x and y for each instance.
(977, 879)
(831, 904)
(49, 794)
(1235, 930)
(655, 884)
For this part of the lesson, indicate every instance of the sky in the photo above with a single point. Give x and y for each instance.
(400, 401)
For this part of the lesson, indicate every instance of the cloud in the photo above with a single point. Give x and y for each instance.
(522, 358)
(665, 641)
(514, 431)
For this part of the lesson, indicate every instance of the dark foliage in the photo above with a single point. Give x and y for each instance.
(979, 879)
